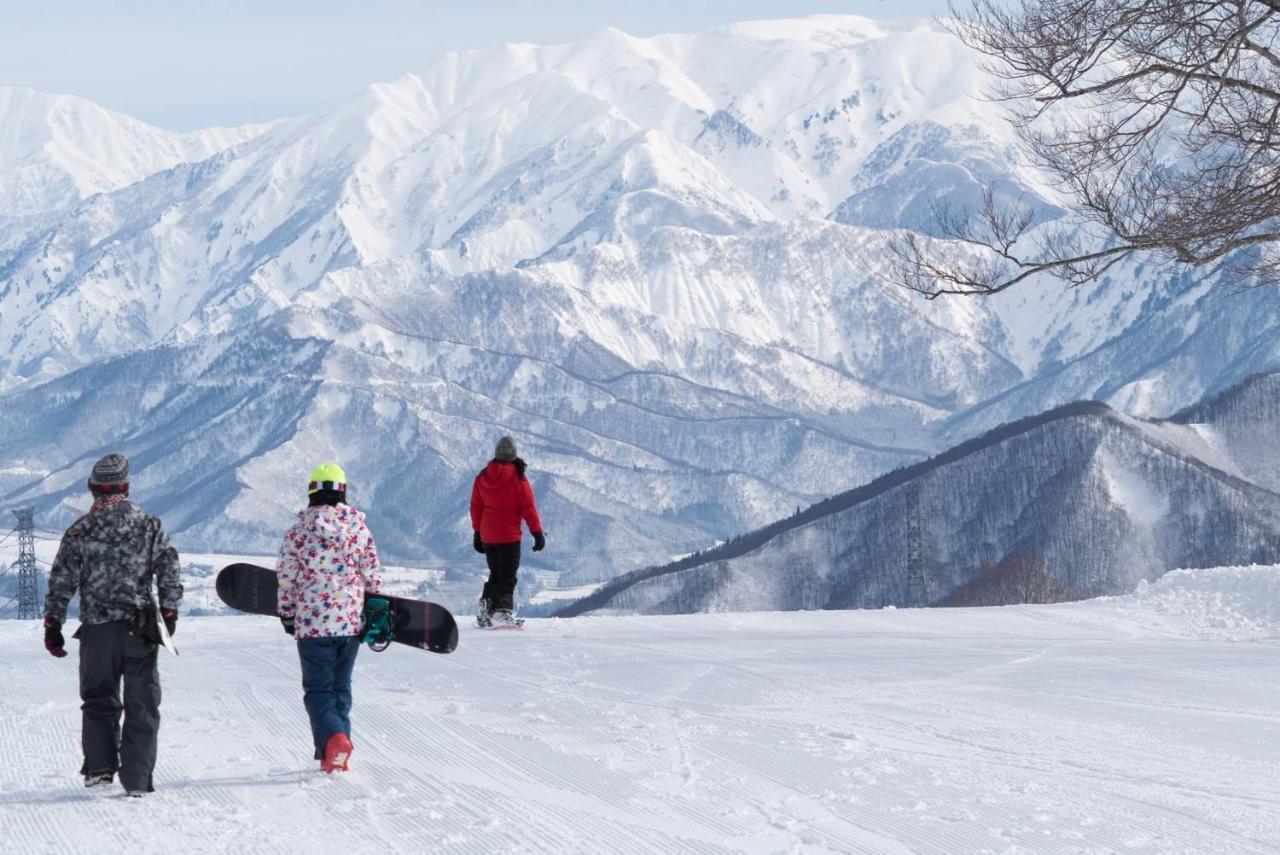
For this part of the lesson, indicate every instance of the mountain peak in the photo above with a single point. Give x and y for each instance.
(829, 29)
(58, 149)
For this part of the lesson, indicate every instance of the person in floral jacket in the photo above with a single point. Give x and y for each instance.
(328, 562)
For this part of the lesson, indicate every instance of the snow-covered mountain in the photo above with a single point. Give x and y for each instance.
(518, 157)
(655, 261)
(1075, 503)
(56, 151)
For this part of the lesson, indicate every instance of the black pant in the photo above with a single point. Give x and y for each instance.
(108, 652)
(504, 561)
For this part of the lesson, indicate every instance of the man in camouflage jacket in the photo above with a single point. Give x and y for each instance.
(110, 555)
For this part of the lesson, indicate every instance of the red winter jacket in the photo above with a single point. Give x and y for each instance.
(500, 498)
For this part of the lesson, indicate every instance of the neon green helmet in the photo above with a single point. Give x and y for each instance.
(327, 476)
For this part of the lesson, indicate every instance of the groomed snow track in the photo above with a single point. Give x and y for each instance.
(1113, 726)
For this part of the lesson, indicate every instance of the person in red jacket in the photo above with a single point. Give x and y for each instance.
(500, 498)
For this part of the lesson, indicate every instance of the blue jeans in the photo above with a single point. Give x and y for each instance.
(326, 685)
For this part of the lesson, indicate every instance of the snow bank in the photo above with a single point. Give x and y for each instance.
(1227, 603)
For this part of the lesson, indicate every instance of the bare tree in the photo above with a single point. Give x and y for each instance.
(1159, 118)
(1015, 580)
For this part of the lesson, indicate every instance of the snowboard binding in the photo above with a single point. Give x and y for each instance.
(379, 624)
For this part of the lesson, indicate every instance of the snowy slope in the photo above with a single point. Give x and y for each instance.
(1109, 726)
(56, 150)
(500, 158)
(1232, 426)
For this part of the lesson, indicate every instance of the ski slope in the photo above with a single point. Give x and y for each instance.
(1147, 723)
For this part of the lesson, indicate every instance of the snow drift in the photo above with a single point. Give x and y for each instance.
(1229, 603)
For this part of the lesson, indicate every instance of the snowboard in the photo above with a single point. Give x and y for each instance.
(417, 623)
(517, 623)
(162, 631)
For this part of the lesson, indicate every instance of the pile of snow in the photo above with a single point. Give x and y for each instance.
(1225, 603)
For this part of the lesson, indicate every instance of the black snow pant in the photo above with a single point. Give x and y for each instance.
(108, 652)
(504, 561)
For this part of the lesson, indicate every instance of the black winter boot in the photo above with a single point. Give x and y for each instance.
(93, 779)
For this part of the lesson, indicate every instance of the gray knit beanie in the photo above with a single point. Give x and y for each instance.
(110, 471)
(505, 450)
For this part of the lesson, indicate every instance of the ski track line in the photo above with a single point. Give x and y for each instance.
(1100, 772)
(538, 763)
(630, 698)
(501, 791)
(1109, 777)
(939, 844)
(451, 738)
(1154, 705)
(667, 711)
(805, 786)
(646, 736)
(1213, 830)
(836, 834)
(1048, 762)
(968, 778)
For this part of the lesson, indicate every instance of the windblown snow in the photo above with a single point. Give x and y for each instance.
(1144, 723)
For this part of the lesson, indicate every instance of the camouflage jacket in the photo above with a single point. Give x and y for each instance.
(110, 555)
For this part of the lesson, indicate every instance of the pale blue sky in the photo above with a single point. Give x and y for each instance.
(183, 64)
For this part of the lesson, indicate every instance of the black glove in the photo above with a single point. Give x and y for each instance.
(539, 541)
(287, 623)
(170, 620)
(477, 544)
(53, 640)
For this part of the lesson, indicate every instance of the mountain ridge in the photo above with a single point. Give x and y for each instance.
(625, 251)
(754, 541)
(87, 150)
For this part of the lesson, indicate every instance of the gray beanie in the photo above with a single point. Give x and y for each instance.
(110, 471)
(505, 450)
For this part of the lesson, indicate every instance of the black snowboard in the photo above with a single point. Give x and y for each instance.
(249, 588)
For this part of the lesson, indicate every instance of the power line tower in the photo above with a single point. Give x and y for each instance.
(917, 589)
(28, 578)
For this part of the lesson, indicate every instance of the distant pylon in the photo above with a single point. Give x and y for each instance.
(917, 589)
(28, 578)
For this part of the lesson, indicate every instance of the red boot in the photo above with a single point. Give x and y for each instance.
(336, 753)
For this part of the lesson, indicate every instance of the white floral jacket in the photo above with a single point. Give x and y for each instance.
(327, 563)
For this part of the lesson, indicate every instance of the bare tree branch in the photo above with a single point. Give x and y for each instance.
(1160, 119)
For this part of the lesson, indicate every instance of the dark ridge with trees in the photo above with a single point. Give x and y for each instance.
(749, 542)
(1210, 408)
(1020, 578)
